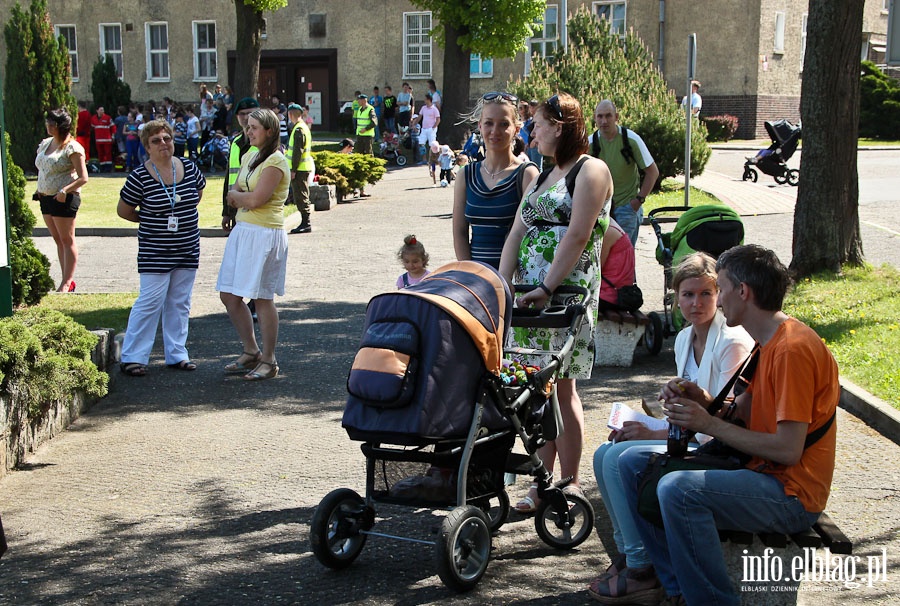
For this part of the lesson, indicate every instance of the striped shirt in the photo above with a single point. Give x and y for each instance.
(160, 250)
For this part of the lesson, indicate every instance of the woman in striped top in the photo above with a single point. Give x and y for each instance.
(161, 196)
(488, 195)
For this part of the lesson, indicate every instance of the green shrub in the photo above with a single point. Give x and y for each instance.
(598, 65)
(357, 169)
(45, 356)
(332, 176)
(720, 128)
(879, 104)
(108, 91)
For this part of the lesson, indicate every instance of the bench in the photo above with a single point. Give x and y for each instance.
(617, 334)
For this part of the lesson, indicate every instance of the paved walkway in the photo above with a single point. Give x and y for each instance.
(195, 488)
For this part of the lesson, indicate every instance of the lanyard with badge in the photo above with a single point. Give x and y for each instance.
(173, 220)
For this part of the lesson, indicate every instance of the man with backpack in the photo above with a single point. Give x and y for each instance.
(634, 172)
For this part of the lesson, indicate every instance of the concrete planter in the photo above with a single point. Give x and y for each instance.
(322, 197)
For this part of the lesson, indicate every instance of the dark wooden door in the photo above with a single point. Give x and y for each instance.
(267, 86)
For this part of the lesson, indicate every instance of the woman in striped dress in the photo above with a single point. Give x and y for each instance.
(161, 196)
(487, 196)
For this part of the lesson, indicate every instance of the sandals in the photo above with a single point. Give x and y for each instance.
(528, 504)
(183, 365)
(257, 375)
(630, 586)
(133, 369)
(245, 361)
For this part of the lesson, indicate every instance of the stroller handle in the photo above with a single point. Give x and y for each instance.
(555, 316)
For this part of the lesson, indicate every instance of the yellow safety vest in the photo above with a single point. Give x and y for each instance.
(306, 153)
(234, 160)
(365, 123)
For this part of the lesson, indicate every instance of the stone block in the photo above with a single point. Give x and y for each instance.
(614, 343)
(322, 196)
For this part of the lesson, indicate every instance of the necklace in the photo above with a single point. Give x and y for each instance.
(494, 174)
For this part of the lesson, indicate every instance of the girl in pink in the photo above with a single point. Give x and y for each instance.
(414, 259)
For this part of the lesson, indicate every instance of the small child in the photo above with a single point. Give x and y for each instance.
(433, 152)
(414, 258)
(446, 161)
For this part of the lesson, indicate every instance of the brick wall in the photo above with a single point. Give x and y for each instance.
(752, 111)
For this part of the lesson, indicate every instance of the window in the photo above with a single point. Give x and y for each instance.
(779, 33)
(614, 12)
(546, 34)
(317, 26)
(68, 33)
(205, 51)
(416, 45)
(157, 51)
(111, 44)
(802, 41)
(480, 67)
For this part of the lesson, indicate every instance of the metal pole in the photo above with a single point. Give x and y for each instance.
(688, 117)
(5, 268)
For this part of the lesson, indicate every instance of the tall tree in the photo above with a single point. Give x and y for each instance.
(250, 23)
(37, 77)
(826, 218)
(108, 91)
(495, 29)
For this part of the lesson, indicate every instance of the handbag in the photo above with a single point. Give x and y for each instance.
(628, 297)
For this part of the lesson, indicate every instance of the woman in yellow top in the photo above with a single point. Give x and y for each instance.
(255, 258)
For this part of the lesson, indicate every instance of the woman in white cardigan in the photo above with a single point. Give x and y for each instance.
(707, 352)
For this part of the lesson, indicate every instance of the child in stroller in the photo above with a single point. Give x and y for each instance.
(390, 148)
(773, 160)
(215, 152)
(438, 421)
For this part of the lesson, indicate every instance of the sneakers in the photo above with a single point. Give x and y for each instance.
(303, 228)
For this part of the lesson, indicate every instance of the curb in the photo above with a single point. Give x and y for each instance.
(872, 410)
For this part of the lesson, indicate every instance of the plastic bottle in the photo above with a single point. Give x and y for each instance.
(677, 442)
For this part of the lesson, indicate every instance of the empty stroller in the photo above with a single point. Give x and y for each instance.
(712, 229)
(773, 160)
(390, 148)
(437, 422)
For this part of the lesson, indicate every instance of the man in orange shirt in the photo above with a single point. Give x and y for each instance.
(83, 128)
(104, 129)
(789, 410)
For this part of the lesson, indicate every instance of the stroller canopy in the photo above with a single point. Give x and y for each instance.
(712, 228)
(478, 298)
(785, 137)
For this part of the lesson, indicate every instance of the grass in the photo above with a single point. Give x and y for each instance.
(671, 193)
(98, 310)
(100, 197)
(856, 314)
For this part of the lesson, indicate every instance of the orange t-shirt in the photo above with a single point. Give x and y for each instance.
(797, 380)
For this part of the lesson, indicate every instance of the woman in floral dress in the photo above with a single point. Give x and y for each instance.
(556, 240)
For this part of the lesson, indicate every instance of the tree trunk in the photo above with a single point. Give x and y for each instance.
(455, 94)
(247, 47)
(826, 218)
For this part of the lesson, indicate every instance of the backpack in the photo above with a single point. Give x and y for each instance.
(627, 151)
(570, 177)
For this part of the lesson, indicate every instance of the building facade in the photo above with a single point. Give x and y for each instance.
(318, 52)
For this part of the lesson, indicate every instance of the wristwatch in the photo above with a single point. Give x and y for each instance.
(640, 198)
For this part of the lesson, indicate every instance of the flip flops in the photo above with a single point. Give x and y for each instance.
(133, 369)
(183, 365)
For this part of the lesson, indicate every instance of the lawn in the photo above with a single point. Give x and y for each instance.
(856, 314)
(95, 310)
(671, 193)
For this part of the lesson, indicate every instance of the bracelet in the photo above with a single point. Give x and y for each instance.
(543, 287)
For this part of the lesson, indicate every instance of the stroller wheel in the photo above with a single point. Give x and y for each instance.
(401, 159)
(750, 175)
(334, 530)
(782, 178)
(565, 534)
(793, 177)
(654, 334)
(496, 509)
(463, 549)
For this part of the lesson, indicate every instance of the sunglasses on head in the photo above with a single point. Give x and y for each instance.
(553, 103)
(500, 95)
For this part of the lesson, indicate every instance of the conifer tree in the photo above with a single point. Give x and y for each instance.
(598, 65)
(37, 78)
(107, 90)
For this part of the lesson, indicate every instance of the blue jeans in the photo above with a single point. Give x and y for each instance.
(629, 220)
(687, 555)
(609, 482)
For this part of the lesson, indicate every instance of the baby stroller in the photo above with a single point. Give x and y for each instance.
(437, 422)
(390, 149)
(712, 229)
(773, 160)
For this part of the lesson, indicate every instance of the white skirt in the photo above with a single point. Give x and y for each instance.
(255, 262)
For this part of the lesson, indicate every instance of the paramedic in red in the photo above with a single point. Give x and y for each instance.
(83, 128)
(104, 129)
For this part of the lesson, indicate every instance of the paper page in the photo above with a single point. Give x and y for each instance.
(622, 412)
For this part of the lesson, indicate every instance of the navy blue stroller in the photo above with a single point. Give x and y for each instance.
(773, 160)
(438, 424)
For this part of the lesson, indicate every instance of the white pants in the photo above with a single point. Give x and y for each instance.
(168, 295)
(429, 135)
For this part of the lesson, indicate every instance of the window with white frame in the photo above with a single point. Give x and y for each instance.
(417, 45)
(205, 57)
(803, 40)
(779, 32)
(68, 34)
(111, 44)
(480, 67)
(546, 34)
(157, 50)
(614, 12)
